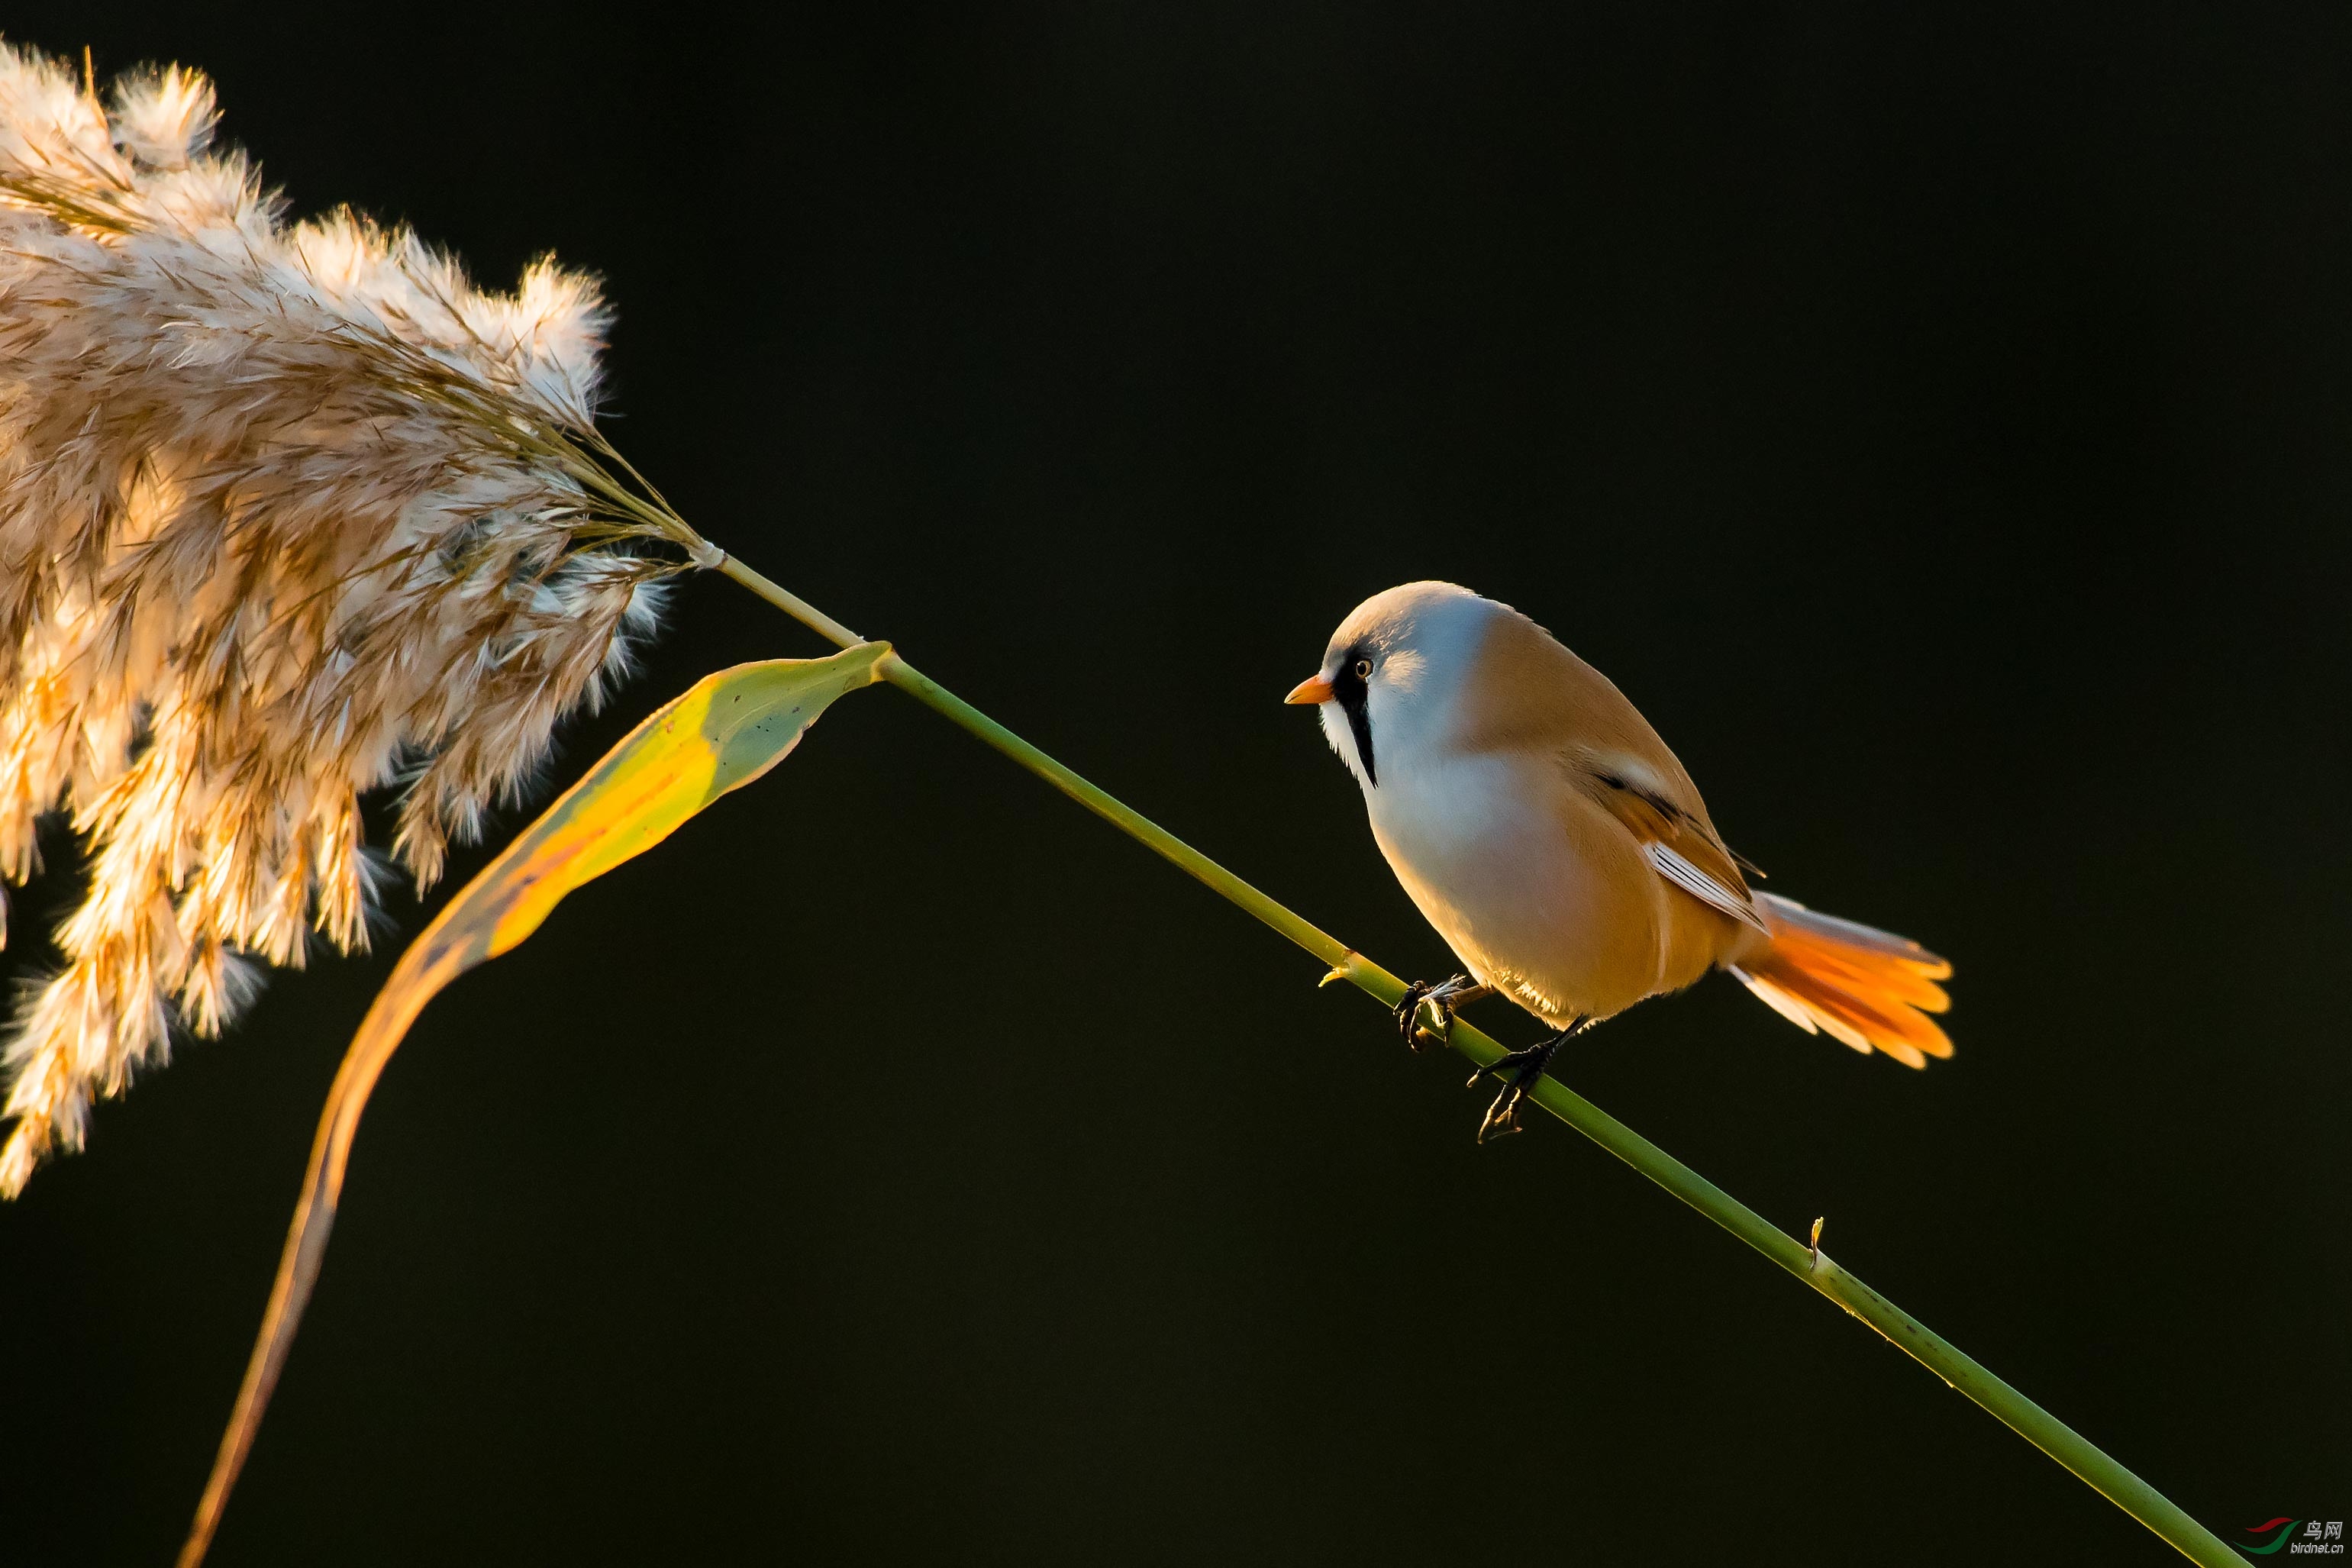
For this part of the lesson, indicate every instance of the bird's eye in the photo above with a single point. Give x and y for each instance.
(1363, 669)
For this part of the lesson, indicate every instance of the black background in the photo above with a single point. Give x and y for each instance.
(1939, 422)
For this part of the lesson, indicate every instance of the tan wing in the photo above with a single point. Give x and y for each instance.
(1533, 695)
(1679, 847)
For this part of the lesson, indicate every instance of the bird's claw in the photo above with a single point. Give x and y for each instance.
(1408, 1013)
(1517, 1071)
(1443, 998)
(1502, 1117)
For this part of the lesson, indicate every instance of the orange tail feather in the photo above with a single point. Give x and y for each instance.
(1867, 988)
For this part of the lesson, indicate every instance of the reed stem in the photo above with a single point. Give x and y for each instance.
(1807, 1263)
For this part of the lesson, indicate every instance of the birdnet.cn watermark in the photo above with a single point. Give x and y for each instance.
(2283, 1534)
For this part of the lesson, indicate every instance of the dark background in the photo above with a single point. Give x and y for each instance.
(1941, 423)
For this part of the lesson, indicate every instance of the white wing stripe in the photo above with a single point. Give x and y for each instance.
(1701, 886)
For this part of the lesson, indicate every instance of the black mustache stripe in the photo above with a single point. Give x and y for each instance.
(1354, 696)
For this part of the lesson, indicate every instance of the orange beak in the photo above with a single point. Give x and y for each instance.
(1315, 688)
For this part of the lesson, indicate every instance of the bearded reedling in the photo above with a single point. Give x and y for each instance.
(288, 511)
(1543, 828)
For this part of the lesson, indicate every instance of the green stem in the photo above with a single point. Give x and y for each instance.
(1906, 1334)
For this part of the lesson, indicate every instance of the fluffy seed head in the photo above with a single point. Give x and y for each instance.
(287, 510)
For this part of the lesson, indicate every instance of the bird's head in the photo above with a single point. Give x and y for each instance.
(1390, 678)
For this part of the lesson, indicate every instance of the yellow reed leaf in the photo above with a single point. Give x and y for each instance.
(725, 731)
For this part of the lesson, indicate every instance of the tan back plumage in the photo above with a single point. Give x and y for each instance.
(1862, 987)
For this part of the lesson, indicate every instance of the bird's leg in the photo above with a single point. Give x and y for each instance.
(1517, 1071)
(1458, 992)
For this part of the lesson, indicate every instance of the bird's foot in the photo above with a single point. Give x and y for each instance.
(1517, 1071)
(1442, 999)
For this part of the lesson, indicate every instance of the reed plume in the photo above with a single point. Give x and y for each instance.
(288, 511)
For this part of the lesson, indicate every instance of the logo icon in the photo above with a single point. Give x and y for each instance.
(2309, 1536)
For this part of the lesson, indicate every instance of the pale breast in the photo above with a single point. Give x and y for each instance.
(1540, 895)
